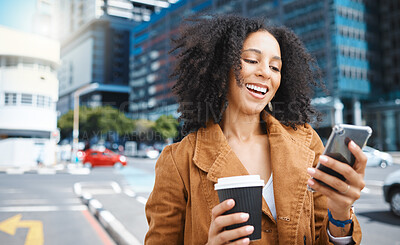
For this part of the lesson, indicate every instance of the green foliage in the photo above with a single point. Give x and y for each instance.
(166, 126)
(96, 121)
(100, 121)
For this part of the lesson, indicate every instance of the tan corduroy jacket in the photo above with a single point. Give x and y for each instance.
(179, 208)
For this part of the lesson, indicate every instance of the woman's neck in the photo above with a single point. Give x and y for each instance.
(240, 127)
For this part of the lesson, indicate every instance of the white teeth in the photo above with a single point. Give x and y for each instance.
(259, 89)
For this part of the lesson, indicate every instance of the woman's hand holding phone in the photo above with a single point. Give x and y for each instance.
(218, 235)
(340, 201)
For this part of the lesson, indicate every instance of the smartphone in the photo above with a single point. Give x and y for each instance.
(337, 146)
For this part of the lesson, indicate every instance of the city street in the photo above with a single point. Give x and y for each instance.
(43, 209)
(36, 206)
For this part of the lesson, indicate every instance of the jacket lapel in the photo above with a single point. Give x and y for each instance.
(214, 156)
(290, 158)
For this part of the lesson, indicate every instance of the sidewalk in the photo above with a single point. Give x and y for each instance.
(119, 210)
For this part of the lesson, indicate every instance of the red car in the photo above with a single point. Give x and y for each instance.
(96, 158)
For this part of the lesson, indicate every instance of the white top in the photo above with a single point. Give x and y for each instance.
(268, 195)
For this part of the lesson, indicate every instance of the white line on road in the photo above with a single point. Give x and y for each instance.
(129, 193)
(142, 200)
(43, 208)
(38, 201)
(10, 191)
(116, 187)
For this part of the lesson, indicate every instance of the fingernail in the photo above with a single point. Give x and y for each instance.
(244, 216)
(230, 202)
(311, 171)
(310, 182)
(249, 228)
(246, 241)
(323, 159)
(353, 144)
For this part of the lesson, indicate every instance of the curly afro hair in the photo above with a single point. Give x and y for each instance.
(210, 46)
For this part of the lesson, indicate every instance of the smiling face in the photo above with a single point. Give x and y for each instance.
(260, 75)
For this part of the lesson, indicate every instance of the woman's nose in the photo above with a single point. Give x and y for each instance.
(264, 71)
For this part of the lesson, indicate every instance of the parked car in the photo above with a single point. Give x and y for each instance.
(377, 158)
(106, 157)
(148, 152)
(391, 191)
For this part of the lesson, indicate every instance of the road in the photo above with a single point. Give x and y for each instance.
(378, 224)
(40, 209)
(32, 201)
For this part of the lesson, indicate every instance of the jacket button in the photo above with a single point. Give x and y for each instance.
(268, 231)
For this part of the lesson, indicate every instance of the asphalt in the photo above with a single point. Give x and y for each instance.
(118, 208)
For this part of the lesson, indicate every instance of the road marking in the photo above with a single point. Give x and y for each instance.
(101, 191)
(102, 234)
(116, 187)
(38, 201)
(142, 200)
(129, 193)
(25, 201)
(42, 208)
(11, 191)
(35, 232)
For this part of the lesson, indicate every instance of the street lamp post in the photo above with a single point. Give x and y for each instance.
(75, 132)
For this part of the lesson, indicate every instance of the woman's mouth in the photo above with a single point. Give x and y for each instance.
(258, 90)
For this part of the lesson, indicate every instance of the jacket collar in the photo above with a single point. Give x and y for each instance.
(212, 151)
(290, 156)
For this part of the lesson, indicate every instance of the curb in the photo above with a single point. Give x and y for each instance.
(114, 228)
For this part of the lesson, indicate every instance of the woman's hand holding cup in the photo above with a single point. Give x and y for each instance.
(217, 233)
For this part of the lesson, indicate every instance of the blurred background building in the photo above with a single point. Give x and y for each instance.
(28, 97)
(355, 42)
(95, 37)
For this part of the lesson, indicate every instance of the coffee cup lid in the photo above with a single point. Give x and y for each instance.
(238, 182)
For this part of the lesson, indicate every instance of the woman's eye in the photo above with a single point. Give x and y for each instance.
(250, 61)
(275, 68)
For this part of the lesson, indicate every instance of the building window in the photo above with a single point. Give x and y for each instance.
(11, 61)
(10, 99)
(40, 101)
(26, 99)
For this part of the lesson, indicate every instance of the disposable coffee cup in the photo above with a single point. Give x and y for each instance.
(246, 190)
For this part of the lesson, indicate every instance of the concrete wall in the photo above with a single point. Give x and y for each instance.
(25, 152)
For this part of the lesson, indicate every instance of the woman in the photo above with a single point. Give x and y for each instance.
(244, 95)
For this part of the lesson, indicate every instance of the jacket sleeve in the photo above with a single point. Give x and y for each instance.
(320, 204)
(166, 205)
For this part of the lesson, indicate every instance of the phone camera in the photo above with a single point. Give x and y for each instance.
(339, 130)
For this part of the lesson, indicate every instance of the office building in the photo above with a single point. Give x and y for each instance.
(382, 112)
(28, 96)
(344, 36)
(95, 37)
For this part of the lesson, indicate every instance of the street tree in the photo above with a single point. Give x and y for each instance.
(167, 127)
(97, 121)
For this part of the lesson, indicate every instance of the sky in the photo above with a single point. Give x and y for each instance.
(17, 14)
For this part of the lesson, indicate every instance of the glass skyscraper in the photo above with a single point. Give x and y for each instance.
(95, 49)
(343, 35)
